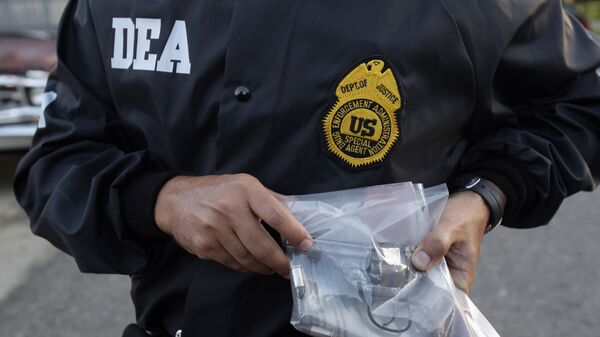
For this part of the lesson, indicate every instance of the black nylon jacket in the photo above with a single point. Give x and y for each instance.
(507, 89)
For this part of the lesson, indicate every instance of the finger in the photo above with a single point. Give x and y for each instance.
(236, 249)
(435, 246)
(461, 279)
(462, 263)
(262, 246)
(277, 216)
(223, 257)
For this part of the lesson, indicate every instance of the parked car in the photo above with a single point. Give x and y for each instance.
(25, 59)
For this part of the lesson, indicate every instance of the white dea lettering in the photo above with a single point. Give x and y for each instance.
(176, 52)
(132, 46)
(143, 59)
(122, 58)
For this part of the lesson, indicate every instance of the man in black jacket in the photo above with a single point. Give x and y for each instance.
(170, 127)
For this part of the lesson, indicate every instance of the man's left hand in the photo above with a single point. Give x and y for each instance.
(458, 237)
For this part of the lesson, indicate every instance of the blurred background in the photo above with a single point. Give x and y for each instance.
(540, 282)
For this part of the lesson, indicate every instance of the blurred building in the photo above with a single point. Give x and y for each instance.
(32, 15)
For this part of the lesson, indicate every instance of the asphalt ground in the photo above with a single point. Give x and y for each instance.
(533, 283)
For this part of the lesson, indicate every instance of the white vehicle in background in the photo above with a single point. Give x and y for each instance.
(25, 59)
(27, 54)
(20, 107)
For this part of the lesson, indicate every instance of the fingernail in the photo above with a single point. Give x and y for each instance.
(421, 260)
(305, 244)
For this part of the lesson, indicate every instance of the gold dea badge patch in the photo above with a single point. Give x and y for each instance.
(361, 127)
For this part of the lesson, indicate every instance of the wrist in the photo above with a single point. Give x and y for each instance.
(480, 212)
(166, 201)
(490, 193)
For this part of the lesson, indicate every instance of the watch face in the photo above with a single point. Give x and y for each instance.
(472, 181)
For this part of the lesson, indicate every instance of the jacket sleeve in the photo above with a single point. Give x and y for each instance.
(547, 91)
(86, 184)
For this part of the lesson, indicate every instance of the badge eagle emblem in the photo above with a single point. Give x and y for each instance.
(361, 127)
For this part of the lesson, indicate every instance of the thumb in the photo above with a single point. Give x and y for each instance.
(435, 246)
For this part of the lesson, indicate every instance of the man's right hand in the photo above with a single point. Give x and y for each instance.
(218, 218)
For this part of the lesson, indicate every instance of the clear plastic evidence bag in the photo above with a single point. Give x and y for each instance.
(357, 280)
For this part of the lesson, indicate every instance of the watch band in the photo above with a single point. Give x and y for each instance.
(488, 191)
